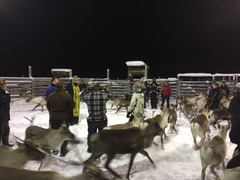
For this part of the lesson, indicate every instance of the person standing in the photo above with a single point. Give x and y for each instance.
(154, 94)
(234, 107)
(96, 100)
(4, 113)
(73, 89)
(224, 88)
(209, 89)
(58, 105)
(137, 102)
(144, 90)
(52, 87)
(165, 94)
(215, 96)
(147, 91)
(82, 86)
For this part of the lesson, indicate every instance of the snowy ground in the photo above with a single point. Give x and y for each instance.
(179, 160)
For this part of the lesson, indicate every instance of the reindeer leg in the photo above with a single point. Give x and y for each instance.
(118, 109)
(194, 140)
(203, 172)
(35, 107)
(213, 171)
(130, 163)
(162, 140)
(42, 108)
(173, 127)
(146, 154)
(109, 158)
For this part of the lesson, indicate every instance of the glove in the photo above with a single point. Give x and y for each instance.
(128, 114)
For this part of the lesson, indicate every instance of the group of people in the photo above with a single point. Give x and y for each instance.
(215, 94)
(152, 90)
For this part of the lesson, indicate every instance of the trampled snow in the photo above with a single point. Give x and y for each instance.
(178, 161)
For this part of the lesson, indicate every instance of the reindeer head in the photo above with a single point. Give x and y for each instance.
(65, 133)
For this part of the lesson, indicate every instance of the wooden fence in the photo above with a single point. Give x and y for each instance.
(184, 84)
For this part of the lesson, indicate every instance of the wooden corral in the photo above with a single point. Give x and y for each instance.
(194, 83)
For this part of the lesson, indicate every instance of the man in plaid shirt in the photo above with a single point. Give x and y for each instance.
(96, 98)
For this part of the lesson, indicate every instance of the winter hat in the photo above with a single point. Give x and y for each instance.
(97, 87)
(237, 85)
(137, 84)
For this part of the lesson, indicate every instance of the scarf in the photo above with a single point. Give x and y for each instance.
(76, 99)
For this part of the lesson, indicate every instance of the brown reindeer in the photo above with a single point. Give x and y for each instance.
(214, 151)
(18, 157)
(123, 141)
(89, 172)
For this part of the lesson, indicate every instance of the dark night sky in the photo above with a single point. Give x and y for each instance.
(91, 36)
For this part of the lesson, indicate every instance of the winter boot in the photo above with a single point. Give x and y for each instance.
(5, 141)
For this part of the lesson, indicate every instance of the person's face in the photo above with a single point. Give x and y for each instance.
(214, 86)
(55, 81)
(4, 87)
(75, 80)
(223, 84)
(165, 83)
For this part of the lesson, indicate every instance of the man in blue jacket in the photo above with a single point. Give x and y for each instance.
(52, 87)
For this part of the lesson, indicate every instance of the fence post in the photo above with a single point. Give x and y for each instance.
(70, 73)
(30, 71)
(128, 87)
(107, 73)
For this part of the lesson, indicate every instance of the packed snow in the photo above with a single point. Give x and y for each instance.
(178, 161)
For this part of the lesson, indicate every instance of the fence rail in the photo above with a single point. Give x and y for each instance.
(23, 87)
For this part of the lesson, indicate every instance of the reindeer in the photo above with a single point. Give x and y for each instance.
(120, 102)
(17, 158)
(49, 139)
(225, 102)
(214, 151)
(189, 110)
(162, 119)
(133, 140)
(40, 101)
(219, 114)
(232, 174)
(137, 122)
(172, 119)
(200, 125)
(89, 172)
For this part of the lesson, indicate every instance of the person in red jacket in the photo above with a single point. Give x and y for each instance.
(166, 93)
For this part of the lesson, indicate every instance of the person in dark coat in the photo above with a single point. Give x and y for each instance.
(154, 94)
(147, 91)
(52, 87)
(234, 136)
(96, 100)
(215, 96)
(82, 86)
(73, 89)
(144, 90)
(4, 114)
(224, 88)
(58, 105)
(165, 94)
(234, 107)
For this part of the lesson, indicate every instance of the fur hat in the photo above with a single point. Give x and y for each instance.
(237, 85)
(154, 80)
